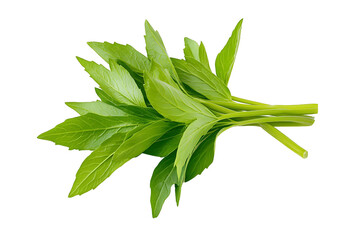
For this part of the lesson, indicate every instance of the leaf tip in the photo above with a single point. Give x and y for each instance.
(81, 61)
(148, 27)
(69, 104)
(92, 44)
(41, 136)
(147, 24)
(96, 46)
(177, 194)
(154, 213)
(71, 194)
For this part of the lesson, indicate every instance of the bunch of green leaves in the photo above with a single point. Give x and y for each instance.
(164, 107)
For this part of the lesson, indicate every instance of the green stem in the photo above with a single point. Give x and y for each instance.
(214, 106)
(255, 113)
(293, 109)
(264, 123)
(259, 120)
(243, 100)
(284, 140)
(275, 132)
(273, 124)
(268, 127)
(290, 124)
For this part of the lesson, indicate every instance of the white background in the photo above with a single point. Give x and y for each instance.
(291, 52)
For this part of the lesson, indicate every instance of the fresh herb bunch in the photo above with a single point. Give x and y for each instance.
(164, 107)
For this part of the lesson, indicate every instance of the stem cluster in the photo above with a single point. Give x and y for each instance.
(241, 112)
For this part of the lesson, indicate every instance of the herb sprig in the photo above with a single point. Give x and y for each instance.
(164, 107)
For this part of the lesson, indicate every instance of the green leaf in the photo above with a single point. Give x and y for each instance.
(156, 50)
(105, 97)
(99, 165)
(200, 159)
(126, 54)
(146, 112)
(203, 155)
(203, 56)
(178, 193)
(188, 146)
(104, 109)
(138, 77)
(191, 49)
(117, 83)
(188, 142)
(225, 59)
(143, 140)
(172, 103)
(87, 132)
(114, 153)
(199, 78)
(193, 93)
(142, 112)
(167, 143)
(164, 176)
(97, 107)
(162, 74)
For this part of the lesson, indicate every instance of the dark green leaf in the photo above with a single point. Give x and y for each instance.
(192, 92)
(200, 159)
(187, 145)
(164, 176)
(142, 112)
(188, 142)
(142, 140)
(167, 143)
(203, 155)
(178, 187)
